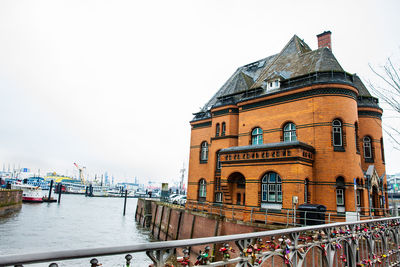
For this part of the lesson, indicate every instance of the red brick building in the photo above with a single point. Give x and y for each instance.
(291, 124)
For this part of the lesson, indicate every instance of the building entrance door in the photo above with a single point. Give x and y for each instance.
(237, 188)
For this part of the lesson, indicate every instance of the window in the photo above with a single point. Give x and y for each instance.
(202, 189)
(289, 132)
(358, 198)
(204, 152)
(218, 165)
(367, 148)
(217, 130)
(339, 197)
(271, 188)
(340, 193)
(382, 151)
(223, 129)
(337, 133)
(257, 136)
(356, 137)
(218, 197)
(277, 83)
(306, 191)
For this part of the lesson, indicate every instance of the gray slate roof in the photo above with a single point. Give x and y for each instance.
(296, 59)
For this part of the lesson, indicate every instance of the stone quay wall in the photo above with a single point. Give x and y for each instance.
(10, 201)
(172, 222)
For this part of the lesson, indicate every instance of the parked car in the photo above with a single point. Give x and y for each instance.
(182, 200)
(172, 197)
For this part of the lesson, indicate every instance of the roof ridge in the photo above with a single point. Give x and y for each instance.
(264, 71)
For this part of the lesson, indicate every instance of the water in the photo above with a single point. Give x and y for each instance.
(78, 222)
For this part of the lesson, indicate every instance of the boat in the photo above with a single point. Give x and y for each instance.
(30, 193)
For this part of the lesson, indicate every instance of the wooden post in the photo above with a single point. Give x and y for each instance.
(59, 192)
(51, 187)
(126, 195)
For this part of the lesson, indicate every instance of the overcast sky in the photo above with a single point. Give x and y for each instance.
(112, 85)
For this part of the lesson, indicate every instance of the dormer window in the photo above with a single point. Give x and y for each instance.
(273, 84)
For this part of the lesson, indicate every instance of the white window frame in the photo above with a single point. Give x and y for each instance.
(202, 188)
(218, 197)
(289, 132)
(271, 191)
(257, 136)
(204, 151)
(340, 196)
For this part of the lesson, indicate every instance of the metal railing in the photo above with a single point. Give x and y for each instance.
(362, 243)
(295, 217)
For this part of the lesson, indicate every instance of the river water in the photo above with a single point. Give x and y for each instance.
(77, 222)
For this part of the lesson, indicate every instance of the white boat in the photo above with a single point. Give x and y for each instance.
(30, 193)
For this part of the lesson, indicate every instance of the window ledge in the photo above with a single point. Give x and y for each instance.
(339, 149)
(203, 161)
(274, 206)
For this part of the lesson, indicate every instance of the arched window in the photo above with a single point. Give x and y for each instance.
(257, 136)
(367, 148)
(223, 129)
(204, 152)
(202, 189)
(217, 130)
(289, 132)
(340, 201)
(271, 188)
(337, 133)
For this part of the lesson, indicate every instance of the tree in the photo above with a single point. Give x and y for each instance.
(389, 92)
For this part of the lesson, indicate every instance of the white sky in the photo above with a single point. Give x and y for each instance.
(112, 85)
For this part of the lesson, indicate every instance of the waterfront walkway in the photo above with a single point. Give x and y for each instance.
(361, 243)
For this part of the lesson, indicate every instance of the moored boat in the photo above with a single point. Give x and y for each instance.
(30, 193)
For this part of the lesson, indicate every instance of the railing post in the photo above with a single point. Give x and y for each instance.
(305, 218)
(128, 259)
(94, 262)
(287, 218)
(266, 213)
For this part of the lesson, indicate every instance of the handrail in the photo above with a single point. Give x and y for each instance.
(165, 245)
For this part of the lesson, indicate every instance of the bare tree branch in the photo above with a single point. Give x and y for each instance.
(389, 93)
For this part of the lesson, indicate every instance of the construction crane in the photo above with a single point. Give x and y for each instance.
(80, 173)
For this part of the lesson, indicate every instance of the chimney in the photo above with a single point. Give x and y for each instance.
(324, 40)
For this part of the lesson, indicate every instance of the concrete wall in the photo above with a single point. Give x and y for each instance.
(10, 200)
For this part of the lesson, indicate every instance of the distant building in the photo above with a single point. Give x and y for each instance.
(393, 183)
(291, 124)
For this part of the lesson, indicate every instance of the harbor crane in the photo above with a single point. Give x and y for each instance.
(80, 172)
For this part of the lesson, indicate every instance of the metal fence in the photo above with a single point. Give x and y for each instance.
(362, 243)
(294, 217)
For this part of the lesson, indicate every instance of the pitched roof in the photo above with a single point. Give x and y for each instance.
(296, 59)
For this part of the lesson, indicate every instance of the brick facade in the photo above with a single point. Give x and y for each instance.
(310, 157)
